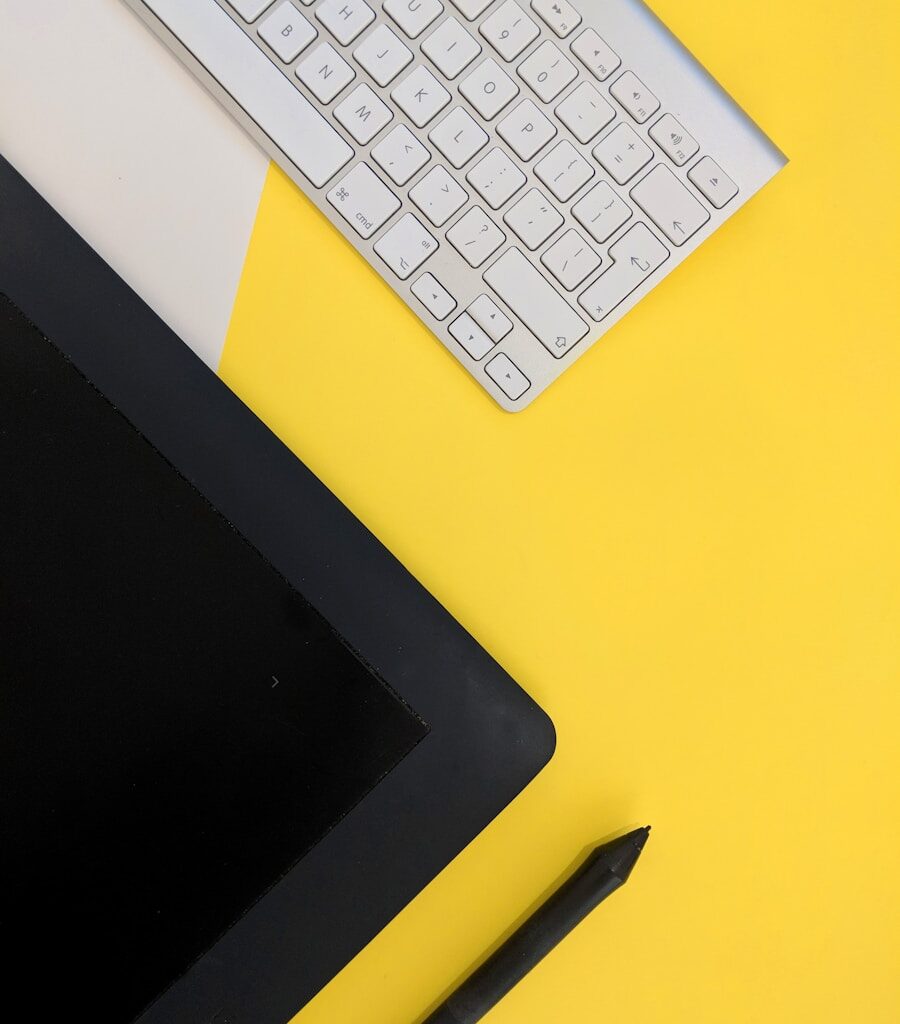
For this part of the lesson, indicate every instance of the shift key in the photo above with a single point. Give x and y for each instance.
(636, 254)
(536, 302)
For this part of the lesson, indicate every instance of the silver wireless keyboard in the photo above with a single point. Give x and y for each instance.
(520, 173)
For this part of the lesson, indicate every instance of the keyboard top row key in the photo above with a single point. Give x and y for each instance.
(596, 55)
(559, 15)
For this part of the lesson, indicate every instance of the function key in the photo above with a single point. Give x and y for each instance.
(599, 58)
(713, 182)
(635, 97)
(560, 15)
(673, 140)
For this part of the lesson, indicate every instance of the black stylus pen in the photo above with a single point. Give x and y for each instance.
(605, 869)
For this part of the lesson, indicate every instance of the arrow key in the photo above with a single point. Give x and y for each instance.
(434, 296)
(490, 318)
(471, 336)
(669, 205)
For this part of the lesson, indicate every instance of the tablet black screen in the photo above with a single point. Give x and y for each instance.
(179, 726)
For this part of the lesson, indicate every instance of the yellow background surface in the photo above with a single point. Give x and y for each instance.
(688, 551)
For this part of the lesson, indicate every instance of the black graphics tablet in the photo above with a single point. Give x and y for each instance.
(237, 737)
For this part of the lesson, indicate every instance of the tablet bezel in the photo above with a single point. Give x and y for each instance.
(488, 737)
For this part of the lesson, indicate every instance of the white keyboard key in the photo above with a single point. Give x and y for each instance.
(673, 140)
(345, 19)
(420, 96)
(406, 246)
(496, 178)
(471, 9)
(636, 255)
(509, 30)
(585, 112)
(560, 15)
(413, 16)
(471, 336)
(570, 260)
(564, 171)
(635, 97)
(249, 10)
(438, 195)
(363, 114)
(713, 182)
(450, 48)
(533, 218)
(383, 55)
(241, 68)
(363, 200)
(458, 137)
(307, 3)
(526, 130)
(595, 54)
(287, 32)
(475, 236)
(601, 212)
(622, 153)
(490, 318)
(507, 376)
(325, 72)
(434, 296)
(400, 154)
(547, 71)
(488, 88)
(669, 205)
(536, 303)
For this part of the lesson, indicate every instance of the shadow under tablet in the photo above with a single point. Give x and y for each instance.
(179, 725)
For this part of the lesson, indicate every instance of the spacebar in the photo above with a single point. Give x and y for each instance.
(256, 85)
(536, 302)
